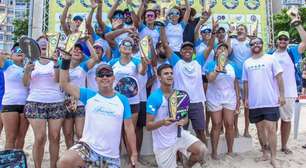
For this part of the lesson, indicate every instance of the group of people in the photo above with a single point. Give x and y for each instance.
(186, 56)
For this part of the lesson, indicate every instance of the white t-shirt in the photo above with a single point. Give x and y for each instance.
(222, 89)
(77, 76)
(164, 136)
(262, 85)
(174, 35)
(200, 46)
(146, 31)
(127, 70)
(188, 76)
(15, 92)
(285, 61)
(43, 88)
(103, 121)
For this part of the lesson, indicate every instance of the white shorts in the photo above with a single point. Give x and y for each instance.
(287, 110)
(217, 106)
(166, 158)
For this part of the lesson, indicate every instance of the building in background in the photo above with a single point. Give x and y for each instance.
(280, 4)
(13, 9)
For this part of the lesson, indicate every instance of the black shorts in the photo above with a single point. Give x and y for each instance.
(267, 113)
(13, 108)
(135, 108)
(196, 115)
(141, 122)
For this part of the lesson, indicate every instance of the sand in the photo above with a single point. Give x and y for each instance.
(244, 160)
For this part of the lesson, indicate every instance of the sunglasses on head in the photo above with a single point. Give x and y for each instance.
(16, 50)
(174, 13)
(118, 17)
(127, 44)
(104, 74)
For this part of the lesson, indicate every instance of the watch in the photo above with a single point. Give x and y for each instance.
(230, 4)
(252, 4)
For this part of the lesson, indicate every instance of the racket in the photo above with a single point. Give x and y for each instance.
(127, 86)
(178, 103)
(30, 48)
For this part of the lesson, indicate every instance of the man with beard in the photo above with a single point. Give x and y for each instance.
(262, 76)
(240, 52)
(288, 57)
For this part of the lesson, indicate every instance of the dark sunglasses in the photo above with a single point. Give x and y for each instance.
(104, 74)
(150, 15)
(283, 39)
(174, 13)
(118, 17)
(255, 43)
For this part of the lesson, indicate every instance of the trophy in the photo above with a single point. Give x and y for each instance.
(293, 13)
(206, 8)
(146, 48)
(254, 29)
(164, 5)
(72, 39)
(53, 43)
(232, 29)
(221, 61)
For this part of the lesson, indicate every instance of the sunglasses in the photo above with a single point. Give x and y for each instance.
(16, 50)
(127, 44)
(283, 39)
(174, 13)
(206, 31)
(118, 17)
(104, 74)
(256, 43)
(150, 15)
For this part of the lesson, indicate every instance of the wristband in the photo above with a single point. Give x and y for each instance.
(65, 64)
(56, 66)
(304, 83)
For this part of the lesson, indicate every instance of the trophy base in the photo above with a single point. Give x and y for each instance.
(221, 71)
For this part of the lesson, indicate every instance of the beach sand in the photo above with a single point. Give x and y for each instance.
(244, 160)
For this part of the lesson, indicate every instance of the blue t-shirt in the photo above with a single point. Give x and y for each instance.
(1, 87)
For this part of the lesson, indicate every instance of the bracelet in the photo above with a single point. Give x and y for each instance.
(65, 64)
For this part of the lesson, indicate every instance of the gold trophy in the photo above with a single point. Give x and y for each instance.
(164, 5)
(232, 29)
(146, 48)
(2, 18)
(72, 39)
(53, 43)
(254, 29)
(221, 61)
(293, 13)
(206, 8)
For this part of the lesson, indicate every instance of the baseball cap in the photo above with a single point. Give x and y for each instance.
(283, 33)
(104, 68)
(205, 29)
(97, 44)
(221, 28)
(78, 17)
(187, 43)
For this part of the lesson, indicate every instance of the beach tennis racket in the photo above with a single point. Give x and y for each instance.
(30, 48)
(127, 86)
(178, 103)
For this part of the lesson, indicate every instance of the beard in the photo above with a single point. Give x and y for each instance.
(256, 50)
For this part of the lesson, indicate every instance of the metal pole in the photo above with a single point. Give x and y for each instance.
(30, 27)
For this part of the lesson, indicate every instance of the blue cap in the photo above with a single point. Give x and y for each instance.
(78, 17)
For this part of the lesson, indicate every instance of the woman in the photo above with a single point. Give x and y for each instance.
(222, 99)
(74, 119)
(14, 122)
(44, 105)
(175, 29)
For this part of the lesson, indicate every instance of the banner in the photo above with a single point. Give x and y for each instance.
(246, 12)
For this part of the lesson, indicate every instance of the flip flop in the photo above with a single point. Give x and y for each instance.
(304, 146)
(287, 151)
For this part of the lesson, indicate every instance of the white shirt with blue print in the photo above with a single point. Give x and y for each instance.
(188, 76)
(174, 35)
(146, 31)
(126, 70)
(103, 121)
(200, 47)
(222, 89)
(157, 105)
(15, 92)
(77, 76)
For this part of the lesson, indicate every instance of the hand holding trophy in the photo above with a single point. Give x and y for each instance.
(293, 13)
(232, 31)
(221, 61)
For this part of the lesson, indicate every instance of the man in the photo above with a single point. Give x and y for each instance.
(262, 76)
(164, 129)
(240, 52)
(288, 58)
(106, 113)
(73, 27)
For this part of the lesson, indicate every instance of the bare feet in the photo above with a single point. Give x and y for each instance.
(274, 163)
(287, 151)
(215, 157)
(231, 154)
(264, 157)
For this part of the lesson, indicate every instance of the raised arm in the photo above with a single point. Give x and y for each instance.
(99, 16)
(110, 37)
(89, 19)
(164, 41)
(203, 19)
(211, 40)
(113, 9)
(141, 10)
(134, 17)
(27, 74)
(65, 26)
(302, 33)
(64, 76)
(187, 12)
(93, 56)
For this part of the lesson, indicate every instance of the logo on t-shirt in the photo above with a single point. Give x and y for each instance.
(256, 67)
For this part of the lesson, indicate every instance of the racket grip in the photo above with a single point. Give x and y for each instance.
(179, 131)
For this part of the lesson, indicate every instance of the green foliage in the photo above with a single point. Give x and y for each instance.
(20, 28)
(282, 22)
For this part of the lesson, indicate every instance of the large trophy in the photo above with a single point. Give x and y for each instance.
(164, 5)
(232, 29)
(53, 43)
(221, 61)
(145, 46)
(254, 29)
(293, 13)
(72, 39)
